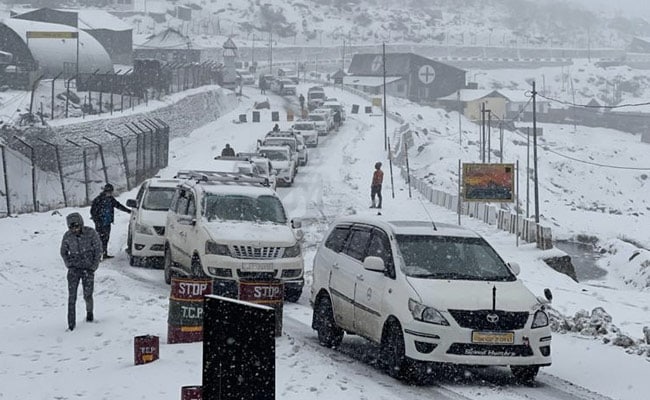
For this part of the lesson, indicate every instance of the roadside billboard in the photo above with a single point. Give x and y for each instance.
(488, 182)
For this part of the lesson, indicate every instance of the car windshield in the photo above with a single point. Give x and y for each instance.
(158, 199)
(303, 127)
(276, 155)
(316, 117)
(461, 258)
(235, 207)
(317, 95)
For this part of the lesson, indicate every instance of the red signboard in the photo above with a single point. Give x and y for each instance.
(488, 182)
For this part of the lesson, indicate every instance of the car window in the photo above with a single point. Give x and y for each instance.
(191, 206)
(358, 243)
(379, 246)
(158, 199)
(263, 208)
(174, 202)
(138, 197)
(183, 201)
(337, 238)
(444, 257)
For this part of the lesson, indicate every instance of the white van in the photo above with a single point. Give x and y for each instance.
(426, 293)
(146, 233)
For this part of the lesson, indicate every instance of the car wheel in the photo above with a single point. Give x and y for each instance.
(292, 295)
(392, 351)
(329, 334)
(168, 265)
(197, 268)
(135, 261)
(524, 373)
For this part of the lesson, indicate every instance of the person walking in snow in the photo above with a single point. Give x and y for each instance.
(375, 186)
(102, 212)
(81, 250)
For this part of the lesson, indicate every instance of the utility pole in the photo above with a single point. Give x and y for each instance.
(489, 136)
(270, 50)
(482, 132)
(536, 178)
(460, 130)
(383, 62)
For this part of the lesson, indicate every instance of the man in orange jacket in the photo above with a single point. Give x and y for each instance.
(375, 187)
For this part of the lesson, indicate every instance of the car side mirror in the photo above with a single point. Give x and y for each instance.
(296, 223)
(514, 267)
(372, 263)
(548, 294)
(131, 203)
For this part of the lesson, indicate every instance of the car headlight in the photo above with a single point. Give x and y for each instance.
(143, 229)
(293, 251)
(540, 319)
(420, 312)
(216, 248)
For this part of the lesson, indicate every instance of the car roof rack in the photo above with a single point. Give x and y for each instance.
(238, 157)
(217, 177)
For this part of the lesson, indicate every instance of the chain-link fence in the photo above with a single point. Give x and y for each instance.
(45, 171)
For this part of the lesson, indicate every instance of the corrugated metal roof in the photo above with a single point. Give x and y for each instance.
(169, 39)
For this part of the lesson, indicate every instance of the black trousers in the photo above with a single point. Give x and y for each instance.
(104, 235)
(87, 278)
(375, 190)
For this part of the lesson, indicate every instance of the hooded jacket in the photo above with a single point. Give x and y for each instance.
(102, 209)
(83, 249)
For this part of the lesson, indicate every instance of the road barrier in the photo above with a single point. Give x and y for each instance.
(185, 321)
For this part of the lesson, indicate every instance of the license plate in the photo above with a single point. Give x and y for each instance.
(257, 267)
(493, 337)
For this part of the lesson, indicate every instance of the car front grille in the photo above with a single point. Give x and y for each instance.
(490, 350)
(160, 230)
(485, 320)
(251, 252)
(264, 276)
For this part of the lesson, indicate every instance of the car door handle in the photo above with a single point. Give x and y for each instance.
(359, 277)
(335, 265)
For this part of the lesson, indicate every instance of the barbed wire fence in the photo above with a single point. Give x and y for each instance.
(42, 171)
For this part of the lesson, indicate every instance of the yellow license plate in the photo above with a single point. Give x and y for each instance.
(493, 337)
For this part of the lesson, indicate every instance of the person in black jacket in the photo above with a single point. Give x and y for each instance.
(102, 212)
(81, 250)
(227, 151)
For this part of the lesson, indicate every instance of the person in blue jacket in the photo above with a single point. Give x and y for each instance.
(102, 211)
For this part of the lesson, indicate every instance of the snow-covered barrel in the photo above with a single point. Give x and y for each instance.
(192, 393)
(185, 321)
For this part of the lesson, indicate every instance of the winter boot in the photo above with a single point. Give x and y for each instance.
(89, 316)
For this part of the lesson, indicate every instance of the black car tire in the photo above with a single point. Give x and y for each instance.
(168, 265)
(393, 352)
(292, 295)
(329, 334)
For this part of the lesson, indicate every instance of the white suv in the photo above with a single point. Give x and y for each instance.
(426, 293)
(146, 234)
(308, 131)
(231, 228)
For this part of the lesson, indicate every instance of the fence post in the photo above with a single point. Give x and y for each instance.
(4, 170)
(138, 155)
(144, 147)
(165, 142)
(59, 166)
(125, 160)
(85, 165)
(33, 166)
(154, 143)
(101, 155)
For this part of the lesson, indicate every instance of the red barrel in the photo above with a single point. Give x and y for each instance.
(185, 321)
(192, 393)
(146, 349)
(268, 293)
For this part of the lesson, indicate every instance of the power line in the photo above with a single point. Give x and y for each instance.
(590, 162)
(568, 103)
